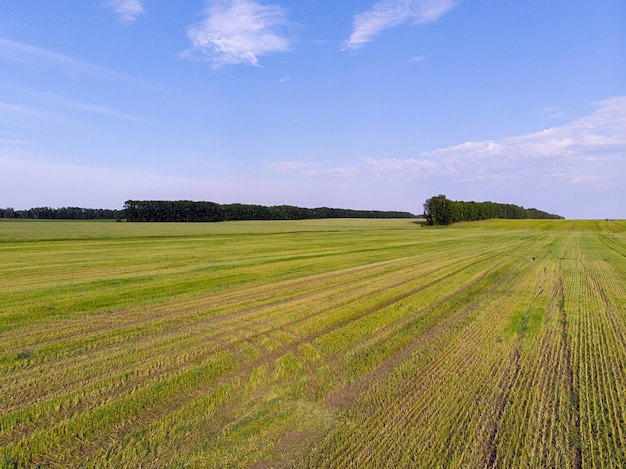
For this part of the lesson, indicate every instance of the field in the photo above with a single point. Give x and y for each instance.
(319, 343)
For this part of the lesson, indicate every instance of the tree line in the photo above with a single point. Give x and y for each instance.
(191, 211)
(439, 210)
(62, 213)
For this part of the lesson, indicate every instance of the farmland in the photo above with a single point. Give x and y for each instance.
(317, 343)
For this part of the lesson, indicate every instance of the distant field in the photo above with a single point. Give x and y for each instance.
(317, 343)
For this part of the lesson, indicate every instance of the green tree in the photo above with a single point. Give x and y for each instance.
(438, 210)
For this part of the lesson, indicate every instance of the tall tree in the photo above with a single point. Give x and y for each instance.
(438, 210)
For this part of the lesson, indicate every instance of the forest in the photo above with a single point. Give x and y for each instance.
(190, 211)
(439, 210)
(62, 213)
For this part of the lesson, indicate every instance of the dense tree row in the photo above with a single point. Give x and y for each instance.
(439, 210)
(63, 213)
(190, 211)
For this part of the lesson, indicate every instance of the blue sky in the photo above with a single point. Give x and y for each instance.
(353, 104)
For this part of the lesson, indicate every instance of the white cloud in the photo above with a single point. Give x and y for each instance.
(390, 13)
(414, 166)
(30, 183)
(313, 170)
(576, 170)
(30, 112)
(289, 166)
(39, 56)
(127, 10)
(551, 112)
(8, 141)
(48, 111)
(32, 54)
(239, 32)
(85, 106)
(591, 149)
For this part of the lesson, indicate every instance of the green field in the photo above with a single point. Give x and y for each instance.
(318, 343)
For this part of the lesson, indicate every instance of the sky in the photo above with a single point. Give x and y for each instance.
(369, 104)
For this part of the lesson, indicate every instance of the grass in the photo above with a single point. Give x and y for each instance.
(317, 343)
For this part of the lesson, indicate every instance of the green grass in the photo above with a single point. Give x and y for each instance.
(317, 343)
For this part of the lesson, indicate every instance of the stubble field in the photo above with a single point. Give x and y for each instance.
(320, 343)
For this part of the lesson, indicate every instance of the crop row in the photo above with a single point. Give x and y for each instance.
(511, 386)
(482, 347)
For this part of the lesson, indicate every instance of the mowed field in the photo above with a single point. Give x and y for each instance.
(319, 343)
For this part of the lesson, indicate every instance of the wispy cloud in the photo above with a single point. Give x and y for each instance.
(289, 166)
(387, 14)
(27, 53)
(591, 149)
(8, 141)
(127, 10)
(551, 112)
(35, 183)
(30, 112)
(102, 110)
(83, 106)
(40, 56)
(239, 32)
(52, 109)
(314, 169)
